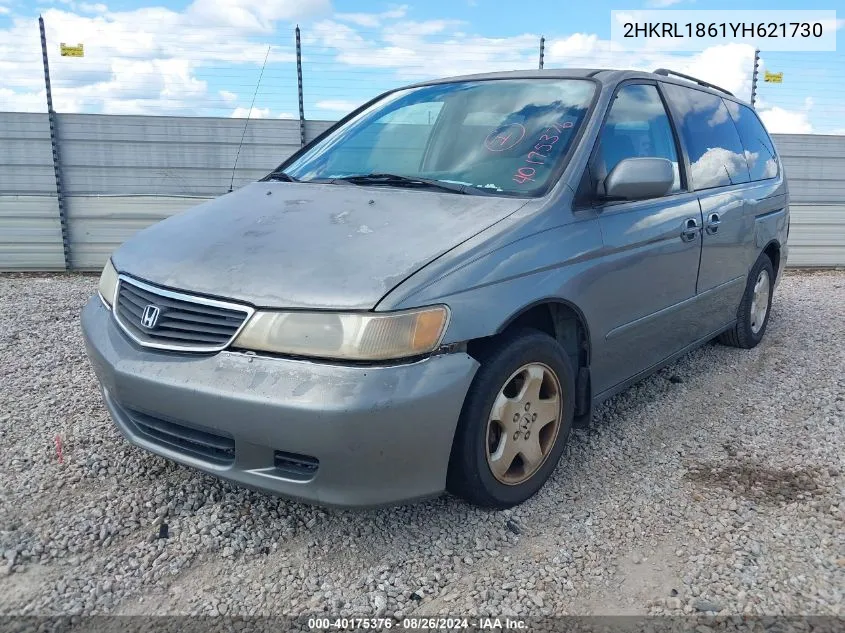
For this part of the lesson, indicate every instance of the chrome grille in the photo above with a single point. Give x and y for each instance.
(181, 322)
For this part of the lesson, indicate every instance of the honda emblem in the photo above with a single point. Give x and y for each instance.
(150, 316)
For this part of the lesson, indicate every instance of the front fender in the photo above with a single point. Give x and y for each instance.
(485, 291)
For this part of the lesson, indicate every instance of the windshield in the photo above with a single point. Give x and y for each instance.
(500, 136)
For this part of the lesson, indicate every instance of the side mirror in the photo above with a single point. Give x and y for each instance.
(639, 178)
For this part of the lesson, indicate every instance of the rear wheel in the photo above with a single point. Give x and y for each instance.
(754, 309)
(515, 421)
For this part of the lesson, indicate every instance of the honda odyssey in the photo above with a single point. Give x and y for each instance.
(432, 293)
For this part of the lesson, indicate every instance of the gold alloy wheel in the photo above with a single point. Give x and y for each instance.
(524, 423)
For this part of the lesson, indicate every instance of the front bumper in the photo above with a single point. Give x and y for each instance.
(381, 435)
(784, 256)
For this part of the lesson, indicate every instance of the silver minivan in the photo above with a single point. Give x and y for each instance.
(435, 291)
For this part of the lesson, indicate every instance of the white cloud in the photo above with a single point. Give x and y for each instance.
(395, 12)
(257, 113)
(662, 4)
(409, 50)
(146, 60)
(725, 65)
(86, 7)
(156, 59)
(337, 105)
(837, 24)
(782, 121)
(372, 20)
(368, 20)
(435, 48)
(5, 10)
(576, 44)
(11, 101)
(770, 168)
(252, 15)
(403, 31)
(716, 164)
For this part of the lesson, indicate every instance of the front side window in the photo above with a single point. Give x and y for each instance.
(506, 136)
(759, 149)
(637, 126)
(716, 155)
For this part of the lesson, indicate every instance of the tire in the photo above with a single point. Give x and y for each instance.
(509, 368)
(751, 323)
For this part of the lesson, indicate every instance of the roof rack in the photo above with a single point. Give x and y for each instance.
(666, 72)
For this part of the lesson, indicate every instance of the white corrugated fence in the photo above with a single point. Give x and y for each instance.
(123, 173)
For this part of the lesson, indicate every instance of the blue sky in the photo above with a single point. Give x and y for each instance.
(203, 57)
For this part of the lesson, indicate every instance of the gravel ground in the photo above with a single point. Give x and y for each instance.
(714, 486)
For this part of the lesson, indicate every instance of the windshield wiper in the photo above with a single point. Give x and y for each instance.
(395, 180)
(280, 175)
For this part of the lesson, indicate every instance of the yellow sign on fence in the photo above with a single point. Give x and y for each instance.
(74, 51)
(773, 78)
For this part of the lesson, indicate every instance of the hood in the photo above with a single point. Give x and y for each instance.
(297, 245)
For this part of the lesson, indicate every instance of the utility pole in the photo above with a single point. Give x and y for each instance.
(542, 50)
(54, 142)
(299, 88)
(754, 76)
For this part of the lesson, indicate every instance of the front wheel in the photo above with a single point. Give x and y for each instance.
(515, 421)
(753, 313)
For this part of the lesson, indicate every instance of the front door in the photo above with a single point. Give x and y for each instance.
(645, 283)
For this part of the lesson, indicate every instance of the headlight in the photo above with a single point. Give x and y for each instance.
(108, 283)
(330, 335)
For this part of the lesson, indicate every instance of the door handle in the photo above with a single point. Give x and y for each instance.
(713, 222)
(690, 229)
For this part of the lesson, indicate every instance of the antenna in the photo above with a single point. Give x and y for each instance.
(246, 123)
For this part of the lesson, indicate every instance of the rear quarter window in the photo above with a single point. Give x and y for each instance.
(759, 149)
(716, 153)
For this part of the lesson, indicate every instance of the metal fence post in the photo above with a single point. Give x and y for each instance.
(542, 50)
(754, 77)
(54, 142)
(299, 88)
